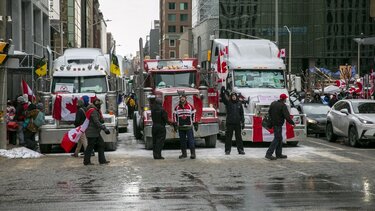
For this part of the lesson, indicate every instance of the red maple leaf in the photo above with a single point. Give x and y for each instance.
(72, 107)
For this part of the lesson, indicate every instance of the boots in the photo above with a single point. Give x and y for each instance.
(184, 154)
(192, 153)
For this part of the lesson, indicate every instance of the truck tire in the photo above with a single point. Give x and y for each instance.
(148, 142)
(292, 143)
(210, 141)
(45, 148)
(110, 146)
(136, 130)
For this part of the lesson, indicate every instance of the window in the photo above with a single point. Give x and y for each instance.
(171, 17)
(273, 79)
(184, 17)
(172, 5)
(183, 6)
(172, 29)
(172, 54)
(172, 43)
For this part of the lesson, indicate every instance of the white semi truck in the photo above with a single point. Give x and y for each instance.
(252, 69)
(79, 72)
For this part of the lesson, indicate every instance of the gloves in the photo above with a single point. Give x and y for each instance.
(242, 125)
(196, 126)
(107, 131)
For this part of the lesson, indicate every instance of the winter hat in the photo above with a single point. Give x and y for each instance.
(86, 100)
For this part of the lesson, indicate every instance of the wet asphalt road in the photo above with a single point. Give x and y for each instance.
(317, 175)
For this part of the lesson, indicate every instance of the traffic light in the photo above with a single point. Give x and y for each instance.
(4, 47)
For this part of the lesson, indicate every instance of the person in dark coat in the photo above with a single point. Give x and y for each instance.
(159, 120)
(30, 132)
(235, 121)
(93, 134)
(333, 100)
(278, 113)
(20, 118)
(80, 118)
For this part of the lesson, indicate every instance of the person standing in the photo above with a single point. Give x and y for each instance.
(235, 121)
(20, 118)
(11, 124)
(80, 118)
(184, 122)
(30, 129)
(93, 133)
(278, 113)
(130, 103)
(159, 120)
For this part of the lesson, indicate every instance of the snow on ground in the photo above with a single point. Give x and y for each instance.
(20, 152)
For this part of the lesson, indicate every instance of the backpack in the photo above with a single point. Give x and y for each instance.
(39, 119)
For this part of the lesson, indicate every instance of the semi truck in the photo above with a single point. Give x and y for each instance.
(165, 79)
(78, 72)
(252, 69)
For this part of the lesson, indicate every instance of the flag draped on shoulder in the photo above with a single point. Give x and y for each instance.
(115, 67)
(41, 67)
(71, 137)
(27, 90)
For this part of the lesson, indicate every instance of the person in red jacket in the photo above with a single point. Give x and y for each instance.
(184, 118)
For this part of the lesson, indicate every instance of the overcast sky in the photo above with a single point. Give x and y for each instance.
(131, 19)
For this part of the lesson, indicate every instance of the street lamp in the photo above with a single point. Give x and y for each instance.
(277, 22)
(290, 58)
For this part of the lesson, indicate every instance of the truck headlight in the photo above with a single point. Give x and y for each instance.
(49, 121)
(311, 121)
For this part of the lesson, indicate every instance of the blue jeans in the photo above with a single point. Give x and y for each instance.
(190, 139)
(277, 143)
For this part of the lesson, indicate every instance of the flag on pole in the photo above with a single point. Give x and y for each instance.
(222, 65)
(27, 90)
(71, 137)
(115, 67)
(282, 53)
(41, 67)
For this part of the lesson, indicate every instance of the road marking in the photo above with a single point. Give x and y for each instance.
(338, 148)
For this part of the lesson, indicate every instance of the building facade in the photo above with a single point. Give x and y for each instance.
(152, 48)
(175, 16)
(322, 31)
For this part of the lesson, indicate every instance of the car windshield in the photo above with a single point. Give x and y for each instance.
(182, 79)
(315, 109)
(94, 84)
(259, 79)
(364, 107)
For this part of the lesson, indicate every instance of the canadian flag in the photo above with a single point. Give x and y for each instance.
(282, 53)
(340, 83)
(71, 137)
(261, 134)
(222, 65)
(27, 90)
(65, 107)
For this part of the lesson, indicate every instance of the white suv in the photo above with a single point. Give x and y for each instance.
(352, 118)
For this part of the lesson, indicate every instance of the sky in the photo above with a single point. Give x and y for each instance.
(131, 19)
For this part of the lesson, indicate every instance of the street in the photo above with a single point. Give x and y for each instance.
(316, 175)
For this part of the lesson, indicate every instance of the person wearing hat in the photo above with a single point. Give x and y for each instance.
(20, 117)
(30, 129)
(184, 118)
(278, 113)
(159, 120)
(235, 121)
(93, 133)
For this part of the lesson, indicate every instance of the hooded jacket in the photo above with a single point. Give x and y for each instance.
(235, 113)
(95, 125)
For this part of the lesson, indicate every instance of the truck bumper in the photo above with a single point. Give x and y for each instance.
(122, 122)
(204, 130)
(54, 135)
(299, 135)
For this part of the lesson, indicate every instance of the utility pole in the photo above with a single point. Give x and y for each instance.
(277, 22)
(3, 80)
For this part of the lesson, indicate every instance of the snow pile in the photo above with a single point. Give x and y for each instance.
(21, 152)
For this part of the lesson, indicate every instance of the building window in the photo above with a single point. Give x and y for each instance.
(172, 54)
(171, 17)
(183, 6)
(172, 43)
(184, 17)
(172, 5)
(172, 29)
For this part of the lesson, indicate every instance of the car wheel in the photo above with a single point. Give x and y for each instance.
(353, 137)
(331, 137)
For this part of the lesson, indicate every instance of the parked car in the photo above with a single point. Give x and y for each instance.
(354, 119)
(316, 117)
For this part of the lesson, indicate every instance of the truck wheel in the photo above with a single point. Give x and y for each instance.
(111, 146)
(148, 143)
(210, 141)
(45, 148)
(136, 130)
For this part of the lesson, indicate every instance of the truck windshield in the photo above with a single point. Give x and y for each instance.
(93, 84)
(183, 79)
(259, 79)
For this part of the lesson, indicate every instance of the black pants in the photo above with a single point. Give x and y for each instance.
(12, 136)
(229, 134)
(158, 139)
(277, 143)
(30, 139)
(91, 142)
